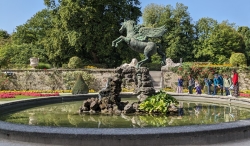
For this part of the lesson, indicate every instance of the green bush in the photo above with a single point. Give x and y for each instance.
(153, 66)
(75, 62)
(80, 86)
(157, 103)
(65, 66)
(16, 66)
(238, 59)
(42, 65)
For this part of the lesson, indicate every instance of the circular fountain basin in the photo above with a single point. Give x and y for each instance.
(177, 135)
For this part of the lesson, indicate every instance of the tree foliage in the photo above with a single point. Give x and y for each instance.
(217, 42)
(4, 37)
(86, 28)
(179, 37)
(245, 33)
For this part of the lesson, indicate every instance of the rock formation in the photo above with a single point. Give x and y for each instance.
(109, 100)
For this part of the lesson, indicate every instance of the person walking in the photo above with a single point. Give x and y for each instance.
(217, 84)
(208, 83)
(227, 84)
(197, 87)
(220, 82)
(180, 85)
(190, 85)
(235, 83)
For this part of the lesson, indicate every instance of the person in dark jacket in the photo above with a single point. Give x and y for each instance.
(208, 84)
(218, 83)
(180, 85)
(190, 84)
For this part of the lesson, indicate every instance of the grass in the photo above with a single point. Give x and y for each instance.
(18, 97)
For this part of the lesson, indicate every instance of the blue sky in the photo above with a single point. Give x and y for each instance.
(17, 12)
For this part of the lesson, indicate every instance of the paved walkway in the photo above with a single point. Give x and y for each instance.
(4, 142)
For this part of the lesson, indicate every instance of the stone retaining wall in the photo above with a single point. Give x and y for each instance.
(170, 79)
(51, 79)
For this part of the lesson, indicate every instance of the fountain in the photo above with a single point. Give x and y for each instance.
(173, 135)
(108, 101)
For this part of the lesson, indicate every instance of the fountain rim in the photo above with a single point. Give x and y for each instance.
(20, 132)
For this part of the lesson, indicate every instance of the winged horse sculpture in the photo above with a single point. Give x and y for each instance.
(137, 40)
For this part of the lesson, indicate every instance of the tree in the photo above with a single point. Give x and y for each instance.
(221, 43)
(4, 37)
(178, 40)
(15, 54)
(245, 33)
(152, 14)
(204, 27)
(86, 28)
(33, 33)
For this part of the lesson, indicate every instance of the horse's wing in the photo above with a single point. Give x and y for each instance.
(152, 32)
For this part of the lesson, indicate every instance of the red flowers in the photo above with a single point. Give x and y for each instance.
(13, 94)
(7, 95)
(245, 94)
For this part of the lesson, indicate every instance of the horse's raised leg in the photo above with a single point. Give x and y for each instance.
(116, 41)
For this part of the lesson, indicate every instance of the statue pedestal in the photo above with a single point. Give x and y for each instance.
(144, 84)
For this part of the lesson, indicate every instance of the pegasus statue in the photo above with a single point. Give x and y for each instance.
(137, 40)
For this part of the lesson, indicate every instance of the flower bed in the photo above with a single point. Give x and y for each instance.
(13, 94)
(245, 94)
(7, 95)
(37, 91)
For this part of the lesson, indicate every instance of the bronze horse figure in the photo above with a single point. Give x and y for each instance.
(137, 40)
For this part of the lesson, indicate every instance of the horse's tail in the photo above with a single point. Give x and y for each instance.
(161, 53)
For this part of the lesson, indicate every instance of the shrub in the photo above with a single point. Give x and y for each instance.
(153, 66)
(80, 86)
(65, 66)
(42, 65)
(238, 59)
(75, 62)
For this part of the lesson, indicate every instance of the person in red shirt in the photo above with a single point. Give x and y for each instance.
(235, 83)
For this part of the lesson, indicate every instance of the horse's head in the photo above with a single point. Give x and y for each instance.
(127, 24)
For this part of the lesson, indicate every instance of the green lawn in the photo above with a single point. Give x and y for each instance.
(18, 97)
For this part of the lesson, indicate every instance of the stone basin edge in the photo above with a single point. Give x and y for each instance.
(192, 134)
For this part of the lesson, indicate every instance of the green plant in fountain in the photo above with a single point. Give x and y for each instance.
(157, 103)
